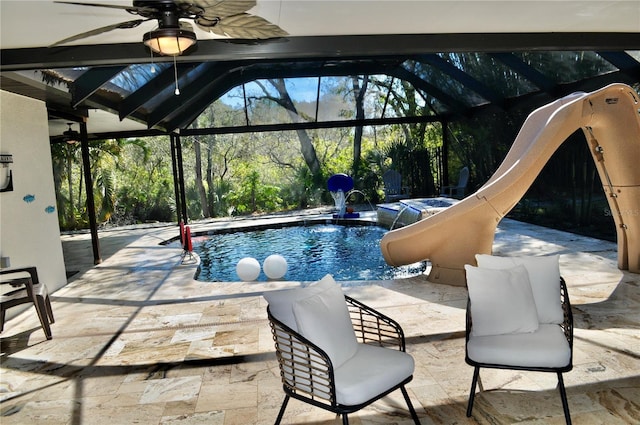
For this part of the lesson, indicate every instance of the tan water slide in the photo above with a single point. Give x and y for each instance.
(610, 120)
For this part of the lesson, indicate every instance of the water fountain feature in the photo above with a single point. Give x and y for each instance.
(364, 197)
(341, 187)
(395, 220)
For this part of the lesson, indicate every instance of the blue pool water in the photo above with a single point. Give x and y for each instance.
(347, 252)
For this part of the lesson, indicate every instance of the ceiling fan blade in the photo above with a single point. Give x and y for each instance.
(245, 26)
(185, 26)
(131, 9)
(121, 25)
(222, 8)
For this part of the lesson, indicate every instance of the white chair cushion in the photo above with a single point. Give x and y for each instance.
(281, 302)
(324, 319)
(544, 275)
(370, 372)
(546, 347)
(501, 301)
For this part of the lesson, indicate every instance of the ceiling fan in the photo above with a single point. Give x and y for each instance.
(173, 36)
(71, 136)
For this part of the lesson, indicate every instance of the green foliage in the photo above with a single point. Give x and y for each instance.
(412, 161)
(145, 190)
(106, 182)
(132, 182)
(481, 143)
(254, 196)
(372, 167)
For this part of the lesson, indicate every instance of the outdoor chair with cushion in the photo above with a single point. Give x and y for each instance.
(518, 317)
(23, 287)
(335, 352)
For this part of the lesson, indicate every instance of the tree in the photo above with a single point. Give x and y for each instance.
(410, 154)
(306, 145)
(358, 93)
(204, 202)
(222, 153)
(64, 158)
(144, 189)
(103, 155)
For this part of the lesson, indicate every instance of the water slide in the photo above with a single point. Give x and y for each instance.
(610, 120)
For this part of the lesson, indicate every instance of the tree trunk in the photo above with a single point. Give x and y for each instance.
(306, 145)
(358, 93)
(57, 182)
(71, 211)
(211, 189)
(199, 185)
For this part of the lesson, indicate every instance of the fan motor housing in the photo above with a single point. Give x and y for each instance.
(153, 3)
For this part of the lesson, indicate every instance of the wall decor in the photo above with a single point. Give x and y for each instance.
(6, 174)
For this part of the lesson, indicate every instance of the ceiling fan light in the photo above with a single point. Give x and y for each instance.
(169, 41)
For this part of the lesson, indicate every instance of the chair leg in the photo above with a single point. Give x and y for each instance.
(47, 302)
(472, 393)
(414, 415)
(282, 409)
(345, 419)
(41, 309)
(563, 396)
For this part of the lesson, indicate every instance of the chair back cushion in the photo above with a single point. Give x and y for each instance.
(281, 302)
(323, 318)
(544, 275)
(319, 313)
(501, 301)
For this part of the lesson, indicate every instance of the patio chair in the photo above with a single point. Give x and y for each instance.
(393, 190)
(334, 352)
(26, 290)
(518, 317)
(458, 190)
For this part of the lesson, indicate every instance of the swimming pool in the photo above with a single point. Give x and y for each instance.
(311, 251)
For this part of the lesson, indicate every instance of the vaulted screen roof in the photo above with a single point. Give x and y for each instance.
(452, 84)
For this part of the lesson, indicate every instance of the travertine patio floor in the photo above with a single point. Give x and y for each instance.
(138, 340)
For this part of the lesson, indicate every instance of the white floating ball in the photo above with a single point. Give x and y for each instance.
(248, 269)
(275, 266)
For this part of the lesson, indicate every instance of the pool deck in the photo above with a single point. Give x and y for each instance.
(138, 340)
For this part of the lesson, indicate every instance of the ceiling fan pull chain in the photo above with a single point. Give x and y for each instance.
(175, 73)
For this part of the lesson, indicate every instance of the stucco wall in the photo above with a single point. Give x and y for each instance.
(29, 231)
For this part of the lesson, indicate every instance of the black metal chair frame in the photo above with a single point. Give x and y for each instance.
(27, 290)
(306, 370)
(567, 327)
